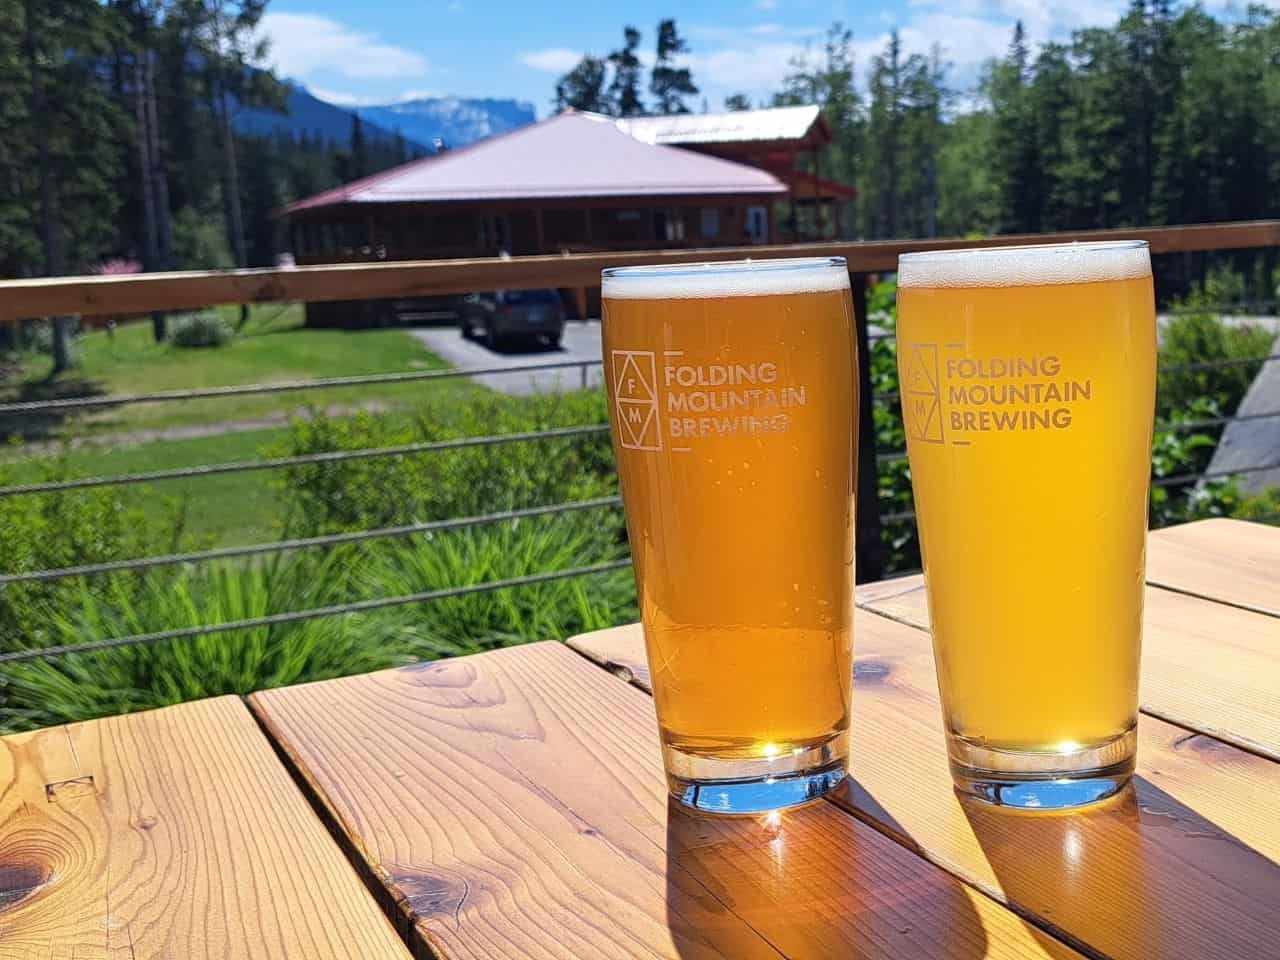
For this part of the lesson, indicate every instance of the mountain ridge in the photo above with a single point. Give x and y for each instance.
(453, 121)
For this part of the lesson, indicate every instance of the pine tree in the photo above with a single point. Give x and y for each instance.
(624, 88)
(737, 101)
(67, 105)
(582, 88)
(359, 151)
(668, 83)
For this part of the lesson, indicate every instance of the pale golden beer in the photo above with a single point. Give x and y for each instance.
(732, 402)
(1028, 388)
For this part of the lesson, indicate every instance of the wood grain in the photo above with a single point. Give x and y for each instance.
(1181, 866)
(1229, 561)
(1206, 666)
(171, 834)
(141, 293)
(513, 803)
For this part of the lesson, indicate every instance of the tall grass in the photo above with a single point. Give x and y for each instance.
(138, 677)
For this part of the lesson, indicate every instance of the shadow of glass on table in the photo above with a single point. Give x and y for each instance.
(1140, 875)
(811, 882)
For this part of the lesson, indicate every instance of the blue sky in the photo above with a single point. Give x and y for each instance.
(384, 50)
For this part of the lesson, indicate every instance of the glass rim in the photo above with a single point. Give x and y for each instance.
(722, 268)
(1071, 246)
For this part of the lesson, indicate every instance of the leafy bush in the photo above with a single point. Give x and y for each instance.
(203, 329)
(48, 531)
(360, 494)
(1199, 337)
(60, 530)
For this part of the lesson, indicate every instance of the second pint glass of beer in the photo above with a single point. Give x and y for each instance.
(1028, 388)
(732, 403)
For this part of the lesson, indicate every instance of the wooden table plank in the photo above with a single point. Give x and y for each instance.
(1231, 561)
(171, 834)
(1183, 866)
(513, 803)
(1207, 666)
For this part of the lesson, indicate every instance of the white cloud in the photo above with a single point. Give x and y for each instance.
(304, 44)
(551, 60)
(753, 66)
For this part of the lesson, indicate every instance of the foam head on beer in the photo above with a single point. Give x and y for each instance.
(1033, 265)
(1028, 384)
(732, 407)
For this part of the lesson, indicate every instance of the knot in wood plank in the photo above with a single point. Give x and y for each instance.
(20, 880)
(432, 894)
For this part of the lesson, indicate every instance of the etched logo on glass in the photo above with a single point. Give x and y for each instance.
(922, 394)
(635, 399)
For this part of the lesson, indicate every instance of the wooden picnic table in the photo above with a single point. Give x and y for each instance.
(512, 804)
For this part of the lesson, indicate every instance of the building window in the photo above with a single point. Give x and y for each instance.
(668, 225)
(710, 223)
(452, 230)
(561, 227)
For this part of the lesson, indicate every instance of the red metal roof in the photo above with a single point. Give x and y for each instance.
(565, 156)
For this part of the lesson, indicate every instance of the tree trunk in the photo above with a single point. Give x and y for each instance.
(159, 193)
(64, 351)
(159, 179)
(230, 179)
(50, 227)
(150, 251)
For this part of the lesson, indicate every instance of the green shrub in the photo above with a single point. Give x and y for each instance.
(203, 329)
(53, 530)
(360, 494)
(1199, 337)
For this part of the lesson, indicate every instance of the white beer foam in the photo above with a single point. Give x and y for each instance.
(1037, 265)
(728, 278)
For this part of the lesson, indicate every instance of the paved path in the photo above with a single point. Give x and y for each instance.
(195, 431)
(581, 342)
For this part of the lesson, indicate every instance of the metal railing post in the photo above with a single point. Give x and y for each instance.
(870, 559)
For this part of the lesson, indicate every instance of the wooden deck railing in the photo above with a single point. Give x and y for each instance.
(142, 293)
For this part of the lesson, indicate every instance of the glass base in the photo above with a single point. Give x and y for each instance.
(756, 785)
(1042, 780)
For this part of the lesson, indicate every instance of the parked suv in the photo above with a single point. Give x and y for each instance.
(511, 315)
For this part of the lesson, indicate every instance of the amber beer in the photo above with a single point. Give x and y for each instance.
(731, 389)
(1028, 387)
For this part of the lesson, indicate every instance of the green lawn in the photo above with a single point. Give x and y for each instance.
(234, 508)
(274, 346)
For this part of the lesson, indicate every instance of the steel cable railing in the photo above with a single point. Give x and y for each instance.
(407, 530)
(296, 616)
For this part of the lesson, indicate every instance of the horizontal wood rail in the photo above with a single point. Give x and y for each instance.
(142, 293)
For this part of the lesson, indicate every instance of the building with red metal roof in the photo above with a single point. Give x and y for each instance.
(581, 182)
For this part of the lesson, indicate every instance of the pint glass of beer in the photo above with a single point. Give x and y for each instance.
(732, 403)
(1028, 388)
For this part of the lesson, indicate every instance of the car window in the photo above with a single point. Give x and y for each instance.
(531, 297)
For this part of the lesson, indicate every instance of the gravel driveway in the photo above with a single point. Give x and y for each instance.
(581, 342)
